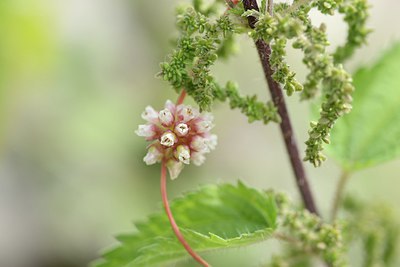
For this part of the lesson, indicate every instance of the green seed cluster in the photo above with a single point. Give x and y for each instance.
(255, 110)
(306, 235)
(355, 15)
(321, 238)
(309, 235)
(336, 102)
(202, 41)
(205, 37)
(276, 30)
(324, 72)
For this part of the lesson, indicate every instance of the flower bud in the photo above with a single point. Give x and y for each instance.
(182, 129)
(182, 153)
(166, 117)
(145, 130)
(168, 139)
(174, 168)
(152, 156)
(150, 114)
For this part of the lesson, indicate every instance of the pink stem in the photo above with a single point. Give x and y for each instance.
(181, 97)
(171, 219)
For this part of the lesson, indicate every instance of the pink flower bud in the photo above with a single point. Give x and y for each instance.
(186, 113)
(152, 156)
(182, 129)
(150, 115)
(166, 118)
(145, 130)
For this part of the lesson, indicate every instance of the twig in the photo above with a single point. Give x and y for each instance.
(181, 97)
(264, 51)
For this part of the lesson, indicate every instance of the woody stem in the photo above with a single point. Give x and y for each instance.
(264, 52)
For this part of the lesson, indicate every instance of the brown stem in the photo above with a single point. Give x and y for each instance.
(171, 219)
(264, 52)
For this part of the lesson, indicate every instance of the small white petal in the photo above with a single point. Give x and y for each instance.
(208, 117)
(198, 158)
(211, 141)
(199, 144)
(152, 156)
(145, 130)
(204, 126)
(174, 168)
(166, 117)
(168, 139)
(170, 106)
(182, 129)
(183, 154)
(150, 114)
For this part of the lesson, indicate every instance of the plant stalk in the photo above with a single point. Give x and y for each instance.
(264, 52)
(181, 97)
(171, 219)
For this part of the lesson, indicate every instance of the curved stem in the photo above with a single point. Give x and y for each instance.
(181, 97)
(344, 177)
(171, 219)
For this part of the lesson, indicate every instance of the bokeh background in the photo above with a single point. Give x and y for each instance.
(74, 78)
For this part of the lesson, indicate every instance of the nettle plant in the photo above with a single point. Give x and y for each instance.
(227, 216)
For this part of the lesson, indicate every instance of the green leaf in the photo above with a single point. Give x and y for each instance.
(214, 217)
(370, 134)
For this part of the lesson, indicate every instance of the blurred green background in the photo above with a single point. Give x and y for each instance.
(74, 78)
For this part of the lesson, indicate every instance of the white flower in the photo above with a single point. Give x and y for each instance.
(183, 154)
(152, 156)
(168, 139)
(145, 130)
(165, 116)
(180, 135)
(182, 129)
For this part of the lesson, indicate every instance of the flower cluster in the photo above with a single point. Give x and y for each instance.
(179, 134)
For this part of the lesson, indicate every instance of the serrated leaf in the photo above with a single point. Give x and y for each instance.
(370, 134)
(214, 217)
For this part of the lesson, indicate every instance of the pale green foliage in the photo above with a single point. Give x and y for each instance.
(254, 110)
(202, 41)
(308, 236)
(214, 217)
(378, 230)
(370, 134)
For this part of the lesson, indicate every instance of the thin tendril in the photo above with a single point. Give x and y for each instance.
(171, 219)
